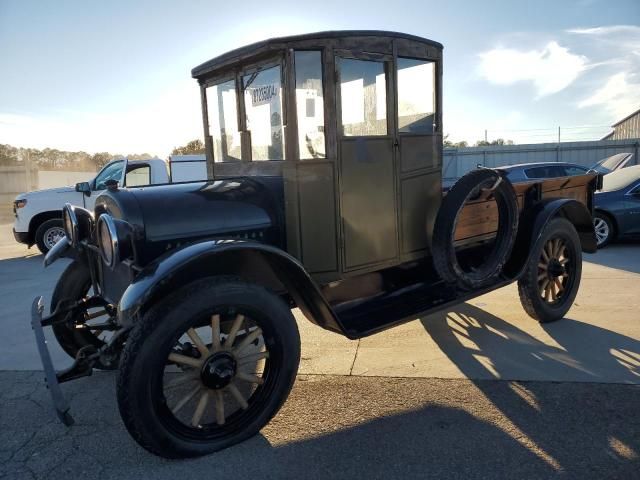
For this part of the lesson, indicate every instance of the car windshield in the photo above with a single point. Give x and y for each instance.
(620, 179)
(614, 162)
(112, 171)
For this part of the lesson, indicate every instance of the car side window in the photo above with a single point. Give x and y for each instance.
(416, 95)
(570, 171)
(537, 172)
(112, 171)
(223, 122)
(138, 176)
(263, 109)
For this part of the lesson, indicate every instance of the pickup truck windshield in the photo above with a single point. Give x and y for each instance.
(112, 171)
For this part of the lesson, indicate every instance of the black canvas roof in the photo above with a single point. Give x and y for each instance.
(281, 42)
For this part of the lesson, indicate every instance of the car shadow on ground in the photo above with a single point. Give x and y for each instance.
(341, 427)
(484, 346)
(623, 255)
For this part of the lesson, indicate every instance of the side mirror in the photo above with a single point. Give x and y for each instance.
(83, 187)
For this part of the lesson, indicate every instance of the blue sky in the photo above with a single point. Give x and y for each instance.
(115, 75)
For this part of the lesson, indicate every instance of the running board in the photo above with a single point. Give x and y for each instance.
(361, 318)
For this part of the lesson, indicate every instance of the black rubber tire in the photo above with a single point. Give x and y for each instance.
(612, 229)
(445, 258)
(40, 231)
(145, 414)
(530, 297)
(74, 283)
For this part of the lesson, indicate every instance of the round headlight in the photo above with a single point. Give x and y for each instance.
(70, 224)
(108, 240)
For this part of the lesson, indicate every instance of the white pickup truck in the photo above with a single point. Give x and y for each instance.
(39, 214)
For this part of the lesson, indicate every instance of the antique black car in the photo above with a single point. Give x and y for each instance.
(324, 158)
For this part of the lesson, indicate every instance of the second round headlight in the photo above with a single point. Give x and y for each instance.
(108, 240)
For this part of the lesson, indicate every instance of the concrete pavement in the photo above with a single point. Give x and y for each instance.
(488, 337)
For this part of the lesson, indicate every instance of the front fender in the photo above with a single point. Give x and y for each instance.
(252, 261)
(536, 219)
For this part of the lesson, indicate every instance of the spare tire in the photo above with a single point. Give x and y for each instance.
(445, 256)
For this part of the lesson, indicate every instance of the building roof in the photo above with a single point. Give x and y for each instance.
(626, 118)
(280, 42)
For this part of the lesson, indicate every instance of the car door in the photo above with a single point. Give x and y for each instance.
(632, 210)
(112, 171)
(366, 136)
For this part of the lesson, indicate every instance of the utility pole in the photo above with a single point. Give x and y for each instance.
(485, 135)
(558, 134)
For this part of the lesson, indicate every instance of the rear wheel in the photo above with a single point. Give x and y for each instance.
(48, 234)
(603, 227)
(207, 367)
(550, 284)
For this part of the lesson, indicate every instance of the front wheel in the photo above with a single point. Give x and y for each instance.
(207, 367)
(87, 327)
(48, 234)
(550, 283)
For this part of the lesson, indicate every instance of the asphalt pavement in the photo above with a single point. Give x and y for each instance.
(481, 391)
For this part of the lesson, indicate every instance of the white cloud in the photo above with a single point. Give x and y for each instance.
(622, 41)
(620, 96)
(550, 69)
(607, 30)
(170, 120)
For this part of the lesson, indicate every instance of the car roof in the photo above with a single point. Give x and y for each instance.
(539, 164)
(620, 178)
(280, 43)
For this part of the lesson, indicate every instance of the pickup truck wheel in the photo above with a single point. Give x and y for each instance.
(78, 332)
(550, 284)
(48, 234)
(449, 265)
(207, 367)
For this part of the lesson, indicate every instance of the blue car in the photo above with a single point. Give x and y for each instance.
(525, 172)
(532, 171)
(617, 206)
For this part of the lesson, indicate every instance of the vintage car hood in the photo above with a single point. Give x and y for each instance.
(165, 216)
(211, 209)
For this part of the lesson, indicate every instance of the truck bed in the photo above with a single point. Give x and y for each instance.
(478, 220)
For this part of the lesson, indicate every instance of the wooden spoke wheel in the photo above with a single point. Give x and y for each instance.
(219, 368)
(550, 282)
(207, 367)
(553, 270)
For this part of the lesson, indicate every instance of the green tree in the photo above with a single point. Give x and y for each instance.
(449, 144)
(140, 156)
(194, 147)
(497, 141)
(99, 160)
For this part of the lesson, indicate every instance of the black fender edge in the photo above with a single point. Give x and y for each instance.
(251, 261)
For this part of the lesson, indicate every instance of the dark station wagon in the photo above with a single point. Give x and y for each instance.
(324, 162)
